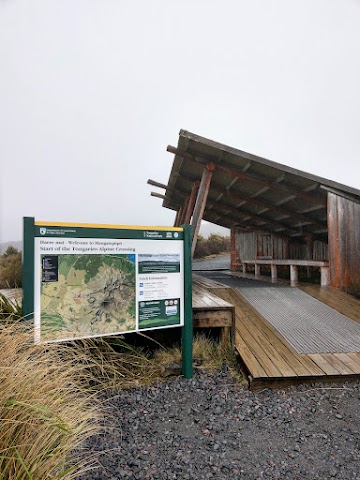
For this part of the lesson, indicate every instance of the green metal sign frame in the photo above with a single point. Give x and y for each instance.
(34, 229)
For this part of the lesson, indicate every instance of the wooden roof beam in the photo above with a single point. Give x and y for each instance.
(218, 213)
(255, 201)
(249, 177)
(180, 196)
(311, 209)
(252, 216)
(283, 226)
(235, 222)
(157, 184)
(158, 195)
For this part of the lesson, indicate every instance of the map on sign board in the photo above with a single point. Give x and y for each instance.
(87, 295)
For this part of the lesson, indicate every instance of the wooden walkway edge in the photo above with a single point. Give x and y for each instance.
(210, 310)
(266, 357)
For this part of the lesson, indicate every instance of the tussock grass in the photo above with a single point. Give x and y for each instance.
(10, 309)
(46, 407)
(115, 364)
(208, 354)
(50, 395)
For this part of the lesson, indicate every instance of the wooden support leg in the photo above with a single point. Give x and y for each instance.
(183, 212)
(274, 273)
(201, 202)
(176, 222)
(178, 217)
(294, 282)
(309, 252)
(224, 336)
(257, 270)
(244, 267)
(191, 203)
(325, 276)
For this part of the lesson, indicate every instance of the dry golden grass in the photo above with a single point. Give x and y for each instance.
(46, 407)
(208, 354)
(49, 395)
(115, 364)
(10, 309)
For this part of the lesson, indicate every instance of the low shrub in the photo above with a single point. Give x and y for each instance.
(10, 269)
(213, 245)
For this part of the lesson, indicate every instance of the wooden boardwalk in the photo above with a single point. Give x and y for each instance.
(269, 360)
(210, 310)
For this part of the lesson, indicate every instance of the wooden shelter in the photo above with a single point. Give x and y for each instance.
(279, 217)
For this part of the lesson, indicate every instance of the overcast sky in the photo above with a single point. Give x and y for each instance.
(92, 92)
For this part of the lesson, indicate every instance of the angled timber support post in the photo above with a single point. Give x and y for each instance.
(179, 216)
(201, 202)
(183, 211)
(176, 221)
(191, 203)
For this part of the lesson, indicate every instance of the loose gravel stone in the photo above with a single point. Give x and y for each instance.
(212, 427)
(219, 262)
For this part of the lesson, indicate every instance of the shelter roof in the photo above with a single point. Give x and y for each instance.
(251, 192)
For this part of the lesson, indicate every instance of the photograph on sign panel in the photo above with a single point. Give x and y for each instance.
(159, 313)
(87, 295)
(159, 263)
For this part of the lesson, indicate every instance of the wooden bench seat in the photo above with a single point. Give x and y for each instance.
(293, 264)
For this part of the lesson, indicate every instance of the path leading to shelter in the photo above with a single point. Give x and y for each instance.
(307, 324)
(289, 348)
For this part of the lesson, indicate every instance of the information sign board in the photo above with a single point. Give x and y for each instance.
(83, 281)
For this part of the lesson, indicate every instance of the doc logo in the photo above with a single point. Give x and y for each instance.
(42, 231)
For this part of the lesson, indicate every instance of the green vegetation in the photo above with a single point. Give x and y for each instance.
(10, 268)
(213, 245)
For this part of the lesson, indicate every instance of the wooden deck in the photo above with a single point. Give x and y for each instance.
(267, 358)
(210, 310)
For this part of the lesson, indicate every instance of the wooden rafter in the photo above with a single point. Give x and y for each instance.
(255, 201)
(308, 196)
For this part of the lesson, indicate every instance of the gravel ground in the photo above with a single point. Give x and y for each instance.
(220, 262)
(211, 427)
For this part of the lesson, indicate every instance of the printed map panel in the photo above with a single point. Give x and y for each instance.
(87, 296)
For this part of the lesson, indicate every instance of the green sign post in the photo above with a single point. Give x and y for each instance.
(85, 280)
(187, 330)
